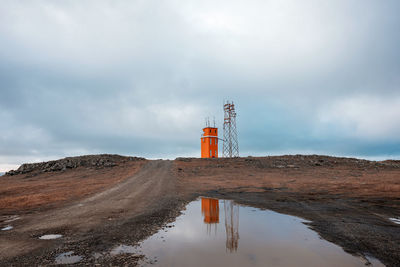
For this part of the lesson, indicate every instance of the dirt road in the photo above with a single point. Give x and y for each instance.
(89, 217)
(348, 202)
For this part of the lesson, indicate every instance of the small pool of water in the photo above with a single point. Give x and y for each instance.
(68, 258)
(49, 237)
(213, 232)
(123, 249)
(6, 228)
(395, 220)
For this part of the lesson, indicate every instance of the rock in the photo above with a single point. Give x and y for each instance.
(184, 159)
(90, 161)
(109, 164)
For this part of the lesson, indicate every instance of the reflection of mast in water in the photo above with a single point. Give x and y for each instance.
(231, 225)
(210, 211)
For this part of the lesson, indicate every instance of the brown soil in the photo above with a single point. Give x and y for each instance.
(348, 202)
(43, 190)
(307, 175)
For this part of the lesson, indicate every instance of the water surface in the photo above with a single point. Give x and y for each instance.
(395, 220)
(49, 237)
(214, 232)
(68, 258)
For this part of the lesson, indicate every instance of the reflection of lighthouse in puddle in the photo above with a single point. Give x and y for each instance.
(210, 211)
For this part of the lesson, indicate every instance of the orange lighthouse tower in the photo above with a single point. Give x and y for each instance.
(209, 142)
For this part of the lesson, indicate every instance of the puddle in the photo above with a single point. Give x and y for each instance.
(97, 255)
(123, 249)
(395, 220)
(68, 258)
(214, 232)
(48, 237)
(8, 227)
(371, 261)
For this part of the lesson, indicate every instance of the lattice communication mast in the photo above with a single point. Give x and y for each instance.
(230, 146)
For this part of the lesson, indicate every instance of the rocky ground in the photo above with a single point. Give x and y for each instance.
(347, 201)
(90, 161)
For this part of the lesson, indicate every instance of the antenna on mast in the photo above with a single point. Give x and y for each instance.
(230, 146)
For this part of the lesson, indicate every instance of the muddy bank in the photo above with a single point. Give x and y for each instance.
(348, 202)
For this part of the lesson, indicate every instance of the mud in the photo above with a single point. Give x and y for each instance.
(347, 201)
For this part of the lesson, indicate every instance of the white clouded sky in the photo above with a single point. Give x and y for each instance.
(138, 77)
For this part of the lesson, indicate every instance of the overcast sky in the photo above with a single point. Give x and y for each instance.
(139, 77)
